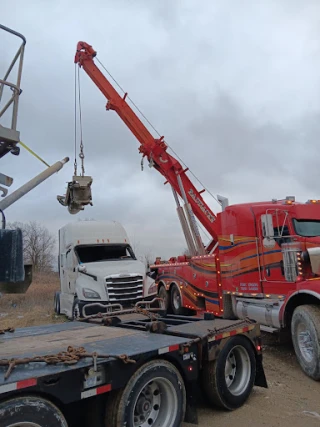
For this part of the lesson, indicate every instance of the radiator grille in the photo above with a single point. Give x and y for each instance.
(126, 290)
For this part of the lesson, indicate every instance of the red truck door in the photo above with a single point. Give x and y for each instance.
(274, 229)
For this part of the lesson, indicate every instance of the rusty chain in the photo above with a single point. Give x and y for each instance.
(69, 357)
(145, 312)
(139, 310)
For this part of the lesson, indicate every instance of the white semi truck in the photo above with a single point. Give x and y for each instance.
(98, 264)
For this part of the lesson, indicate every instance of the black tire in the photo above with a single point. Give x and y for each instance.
(162, 293)
(75, 310)
(175, 299)
(57, 302)
(156, 391)
(25, 410)
(305, 332)
(224, 391)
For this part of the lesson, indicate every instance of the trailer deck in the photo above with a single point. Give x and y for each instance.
(53, 339)
(82, 359)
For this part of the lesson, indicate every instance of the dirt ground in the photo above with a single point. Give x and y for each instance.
(292, 399)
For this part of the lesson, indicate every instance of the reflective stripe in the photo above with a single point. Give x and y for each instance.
(95, 391)
(168, 349)
(231, 333)
(18, 385)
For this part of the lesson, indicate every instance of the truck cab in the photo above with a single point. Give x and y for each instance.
(270, 254)
(273, 248)
(98, 264)
(265, 266)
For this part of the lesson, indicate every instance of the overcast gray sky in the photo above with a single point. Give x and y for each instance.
(233, 85)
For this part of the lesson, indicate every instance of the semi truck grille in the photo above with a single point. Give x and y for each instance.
(126, 290)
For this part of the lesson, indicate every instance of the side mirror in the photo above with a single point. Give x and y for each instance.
(82, 268)
(267, 231)
(267, 226)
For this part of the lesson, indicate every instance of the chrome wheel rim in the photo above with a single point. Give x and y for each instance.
(156, 404)
(176, 299)
(237, 370)
(305, 342)
(163, 296)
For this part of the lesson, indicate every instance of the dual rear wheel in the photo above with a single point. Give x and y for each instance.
(172, 301)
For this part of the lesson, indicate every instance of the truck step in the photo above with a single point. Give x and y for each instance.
(268, 329)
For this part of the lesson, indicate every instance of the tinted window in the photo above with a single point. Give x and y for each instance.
(96, 253)
(307, 227)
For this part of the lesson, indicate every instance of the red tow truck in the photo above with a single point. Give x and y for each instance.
(263, 261)
(132, 367)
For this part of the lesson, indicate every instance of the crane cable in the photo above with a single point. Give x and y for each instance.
(155, 130)
(81, 154)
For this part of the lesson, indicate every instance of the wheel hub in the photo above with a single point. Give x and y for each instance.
(231, 369)
(156, 404)
(305, 343)
(237, 370)
(176, 300)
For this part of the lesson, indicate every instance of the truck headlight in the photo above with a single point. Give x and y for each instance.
(89, 293)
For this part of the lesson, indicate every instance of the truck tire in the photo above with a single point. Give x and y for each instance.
(155, 395)
(75, 310)
(165, 296)
(30, 411)
(228, 381)
(57, 302)
(305, 332)
(176, 302)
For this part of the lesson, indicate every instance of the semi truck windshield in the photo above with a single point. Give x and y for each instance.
(307, 227)
(96, 253)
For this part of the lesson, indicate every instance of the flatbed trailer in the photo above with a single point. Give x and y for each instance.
(128, 370)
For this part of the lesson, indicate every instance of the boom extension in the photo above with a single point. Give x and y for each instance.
(154, 149)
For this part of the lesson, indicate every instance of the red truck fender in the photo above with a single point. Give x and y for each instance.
(293, 300)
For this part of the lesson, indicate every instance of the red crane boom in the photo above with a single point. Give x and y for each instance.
(154, 149)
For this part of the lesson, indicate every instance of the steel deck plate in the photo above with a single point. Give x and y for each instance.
(100, 339)
(203, 327)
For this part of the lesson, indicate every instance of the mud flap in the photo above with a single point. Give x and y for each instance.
(260, 380)
(191, 415)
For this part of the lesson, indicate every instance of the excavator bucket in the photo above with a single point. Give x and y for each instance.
(78, 194)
